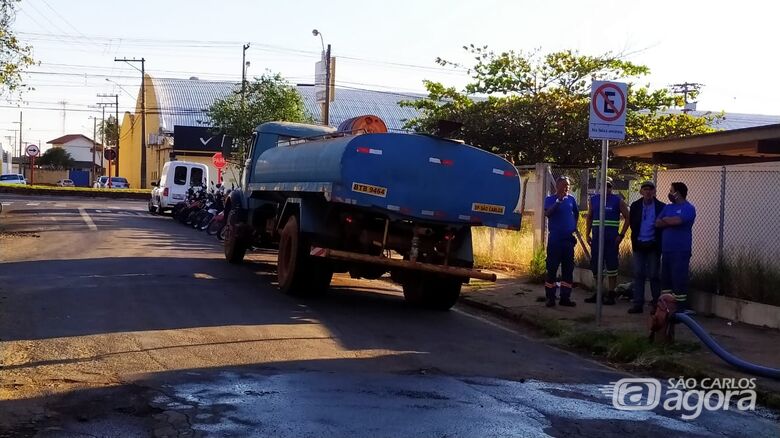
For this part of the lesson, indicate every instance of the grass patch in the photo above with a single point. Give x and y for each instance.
(585, 319)
(71, 189)
(626, 347)
(505, 247)
(552, 327)
(74, 191)
(743, 277)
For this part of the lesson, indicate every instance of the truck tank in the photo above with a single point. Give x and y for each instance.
(410, 175)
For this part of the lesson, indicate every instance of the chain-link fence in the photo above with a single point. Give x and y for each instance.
(735, 243)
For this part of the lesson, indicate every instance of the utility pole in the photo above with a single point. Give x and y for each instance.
(94, 148)
(326, 53)
(116, 115)
(20, 139)
(243, 70)
(326, 106)
(115, 103)
(64, 112)
(143, 115)
(687, 88)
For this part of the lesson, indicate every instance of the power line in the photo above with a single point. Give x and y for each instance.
(152, 43)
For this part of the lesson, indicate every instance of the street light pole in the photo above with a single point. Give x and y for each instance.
(326, 52)
(143, 115)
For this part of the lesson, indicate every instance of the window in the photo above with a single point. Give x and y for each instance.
(9, 178)
(180, 175)
(196, 176)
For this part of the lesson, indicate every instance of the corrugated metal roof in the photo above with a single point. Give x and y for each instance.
(732, 121)
(185, 102)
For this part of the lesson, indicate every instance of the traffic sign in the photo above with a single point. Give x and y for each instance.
(32, 150)
(608, 110)
(109, 154)
(218, 160)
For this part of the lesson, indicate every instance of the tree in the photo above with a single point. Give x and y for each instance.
(109, 128)
(533, 108)
(267, 98)
(14, 55)
(55, 158)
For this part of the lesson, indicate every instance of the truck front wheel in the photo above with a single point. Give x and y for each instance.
(431, 291)
(299, 273)
(235, 246)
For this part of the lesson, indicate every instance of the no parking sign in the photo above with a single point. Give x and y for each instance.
(608, 110)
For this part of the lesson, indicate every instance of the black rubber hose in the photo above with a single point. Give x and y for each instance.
(751, 368)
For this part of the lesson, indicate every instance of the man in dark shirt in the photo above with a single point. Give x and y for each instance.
(676, 220)
(646, 245)
(562, 215)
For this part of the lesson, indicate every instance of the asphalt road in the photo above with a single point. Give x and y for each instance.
(114, 322)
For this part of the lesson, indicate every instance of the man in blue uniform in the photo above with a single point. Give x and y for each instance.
(615, 207)
(562, 214)
(676, 221)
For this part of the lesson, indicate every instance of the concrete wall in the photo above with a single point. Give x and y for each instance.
(45, 176)
(733, 309)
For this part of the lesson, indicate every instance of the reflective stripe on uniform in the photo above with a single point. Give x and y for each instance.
(550, 285)
(607, 223)
(565, 284)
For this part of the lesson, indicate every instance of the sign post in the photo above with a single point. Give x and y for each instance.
(607, 122)
(219, 163)
(110, 155)
(32, 152)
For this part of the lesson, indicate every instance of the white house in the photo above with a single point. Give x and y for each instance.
(80, 149)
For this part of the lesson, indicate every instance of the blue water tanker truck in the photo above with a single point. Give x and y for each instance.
(369, 202)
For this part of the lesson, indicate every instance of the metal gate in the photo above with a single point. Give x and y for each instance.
(80, 177)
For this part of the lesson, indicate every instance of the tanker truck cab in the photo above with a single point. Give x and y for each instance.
(370, 204)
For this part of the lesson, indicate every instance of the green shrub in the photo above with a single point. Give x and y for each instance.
(537, 268)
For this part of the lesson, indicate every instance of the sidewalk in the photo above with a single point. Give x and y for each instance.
(515, 298)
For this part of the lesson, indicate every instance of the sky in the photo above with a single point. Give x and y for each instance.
(730, 47)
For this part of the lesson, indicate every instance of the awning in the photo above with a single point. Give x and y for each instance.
(739, 146)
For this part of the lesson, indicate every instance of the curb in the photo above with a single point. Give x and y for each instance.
(497, 310)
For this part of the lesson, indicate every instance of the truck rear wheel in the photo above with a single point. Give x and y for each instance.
(235, 246)
(432, 292)
(299, 273)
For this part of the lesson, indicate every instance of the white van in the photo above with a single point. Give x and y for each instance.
(175, 179)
